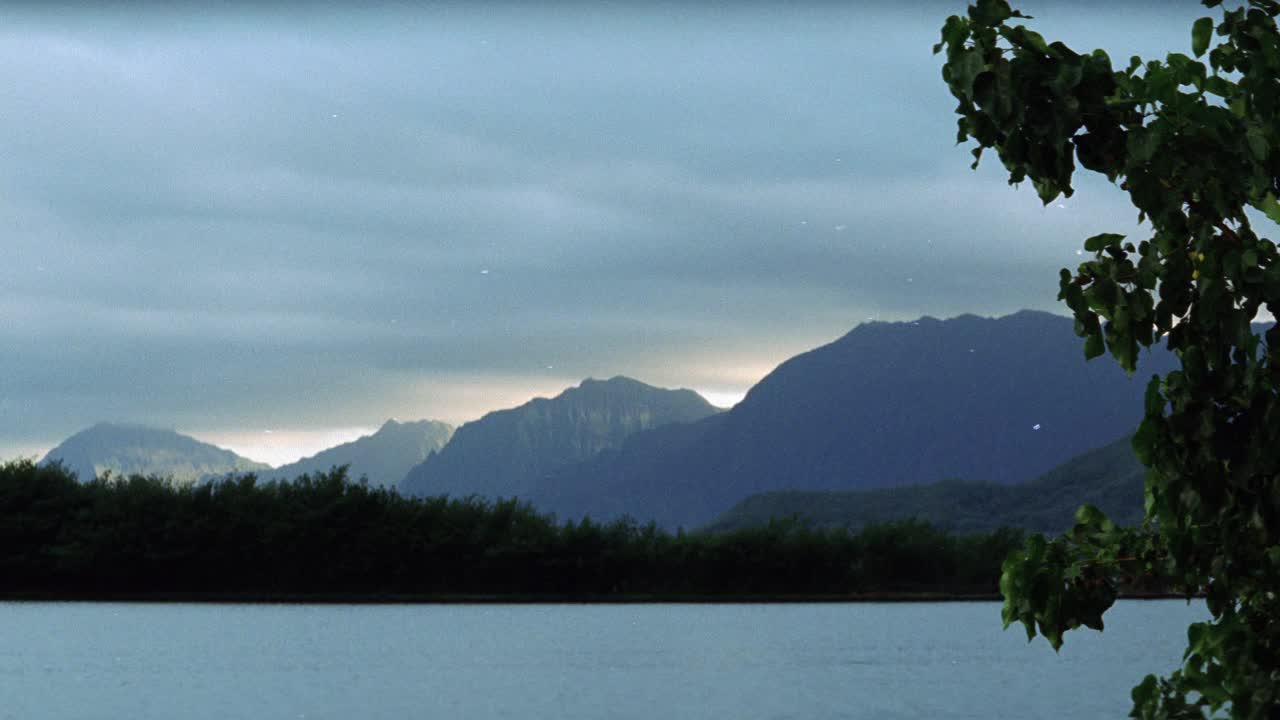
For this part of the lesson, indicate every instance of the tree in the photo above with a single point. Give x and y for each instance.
(1197, 149)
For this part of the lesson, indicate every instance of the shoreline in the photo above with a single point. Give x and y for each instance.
(205, 598)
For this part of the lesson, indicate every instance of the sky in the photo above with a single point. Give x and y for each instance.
(276, 228)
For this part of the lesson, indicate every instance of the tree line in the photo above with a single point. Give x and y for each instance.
(324, 535)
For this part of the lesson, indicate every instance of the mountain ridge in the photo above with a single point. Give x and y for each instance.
(1109, 477)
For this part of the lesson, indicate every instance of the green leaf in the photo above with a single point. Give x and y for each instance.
(1152, 400)
(1201, 31)
(1067, 78)
(954, 32)
(1196, 635)
(1046, 188)
(1271, 207)
(990, 12)
(1089, 515)
(1144, 442)
(1093, 346)
(1258, 144)
(1143, 143)
(1218, 85)
(1023, 37)
(967, 68)
(1145, 693)
(1103, 241)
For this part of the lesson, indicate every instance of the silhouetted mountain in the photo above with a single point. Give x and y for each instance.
(1109, 478)
(508, 453)
(889, 404)
(383, 457)
(134, 449)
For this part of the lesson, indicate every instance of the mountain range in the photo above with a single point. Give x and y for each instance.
(990, 401)
(999, 400)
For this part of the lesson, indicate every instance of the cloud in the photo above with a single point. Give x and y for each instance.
(309, 219)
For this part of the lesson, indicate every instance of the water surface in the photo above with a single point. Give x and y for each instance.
(588, 662)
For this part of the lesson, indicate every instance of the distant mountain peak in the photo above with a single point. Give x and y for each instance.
(508, 452)
(115, 426)
(131, 448)
(615, 380)
(394, 425)
(383, 457)
(620, 384)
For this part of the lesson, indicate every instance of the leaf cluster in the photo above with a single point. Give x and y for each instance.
(1194, 140)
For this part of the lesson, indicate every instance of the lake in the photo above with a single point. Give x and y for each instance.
(906, 660)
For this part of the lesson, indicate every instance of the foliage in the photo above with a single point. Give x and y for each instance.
(1197, 148)
(321, 535)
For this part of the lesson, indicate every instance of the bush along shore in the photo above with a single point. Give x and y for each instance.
(325, 538)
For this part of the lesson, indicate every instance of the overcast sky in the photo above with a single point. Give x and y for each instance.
(307, 221)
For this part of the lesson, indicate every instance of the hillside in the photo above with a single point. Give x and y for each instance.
(127, 449)
(1109, 477)
(509, 452)
(383, 457)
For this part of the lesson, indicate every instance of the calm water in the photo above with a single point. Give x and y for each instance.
(106, 660)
